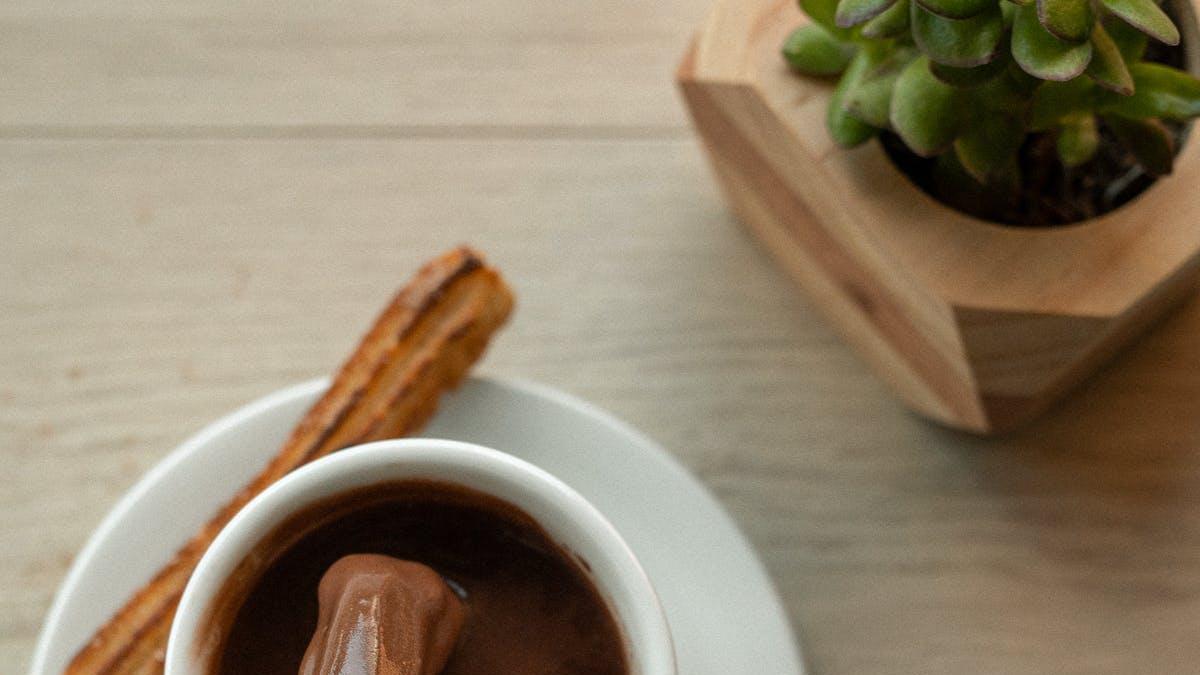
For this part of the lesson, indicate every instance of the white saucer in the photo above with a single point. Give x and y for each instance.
(723, 610)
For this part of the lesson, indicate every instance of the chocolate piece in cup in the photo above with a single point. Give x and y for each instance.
(383, 616)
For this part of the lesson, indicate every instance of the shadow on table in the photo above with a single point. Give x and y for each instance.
(1107, 484)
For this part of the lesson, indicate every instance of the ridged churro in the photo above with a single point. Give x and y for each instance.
(422, 345)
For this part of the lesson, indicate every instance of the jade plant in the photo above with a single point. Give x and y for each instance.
(970, 81)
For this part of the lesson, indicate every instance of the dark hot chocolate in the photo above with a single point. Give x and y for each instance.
(529, 606)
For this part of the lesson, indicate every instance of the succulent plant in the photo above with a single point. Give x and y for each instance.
(970, 80)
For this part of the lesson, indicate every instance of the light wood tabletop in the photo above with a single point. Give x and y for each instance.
(203, 202)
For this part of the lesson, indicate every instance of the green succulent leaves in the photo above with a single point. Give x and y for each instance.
(957, 9)
(1146, 16)
(961, 43)
(812, 50)
(969, 80)
(1078, 139)
(1108, 68)
(846, 129)
(891, 23)
(1067, 20)
(1158, 91)
(823, 12)
(870, 98)
(1043, 55)
(988, 148)
(969, 77)
(924, 110)
(850, 13)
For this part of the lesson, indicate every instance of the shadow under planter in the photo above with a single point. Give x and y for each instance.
(975, 325)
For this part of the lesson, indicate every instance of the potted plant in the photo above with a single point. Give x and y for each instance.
(975, 192)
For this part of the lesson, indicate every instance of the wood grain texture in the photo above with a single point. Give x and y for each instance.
(237, 67)
(978, 326)
(150, 284)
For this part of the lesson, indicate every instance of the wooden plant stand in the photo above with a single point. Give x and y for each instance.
(975, 325)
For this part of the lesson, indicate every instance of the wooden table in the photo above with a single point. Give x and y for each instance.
(203, 202)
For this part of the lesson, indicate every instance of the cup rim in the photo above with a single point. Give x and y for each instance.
(629, 593)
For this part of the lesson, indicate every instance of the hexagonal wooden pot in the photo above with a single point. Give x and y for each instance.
(975, 325)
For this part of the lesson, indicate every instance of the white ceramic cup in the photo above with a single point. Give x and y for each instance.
(566, 516)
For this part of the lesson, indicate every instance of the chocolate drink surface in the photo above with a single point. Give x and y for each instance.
(531, 608)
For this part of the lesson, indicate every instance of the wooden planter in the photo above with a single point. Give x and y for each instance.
(975, 325)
